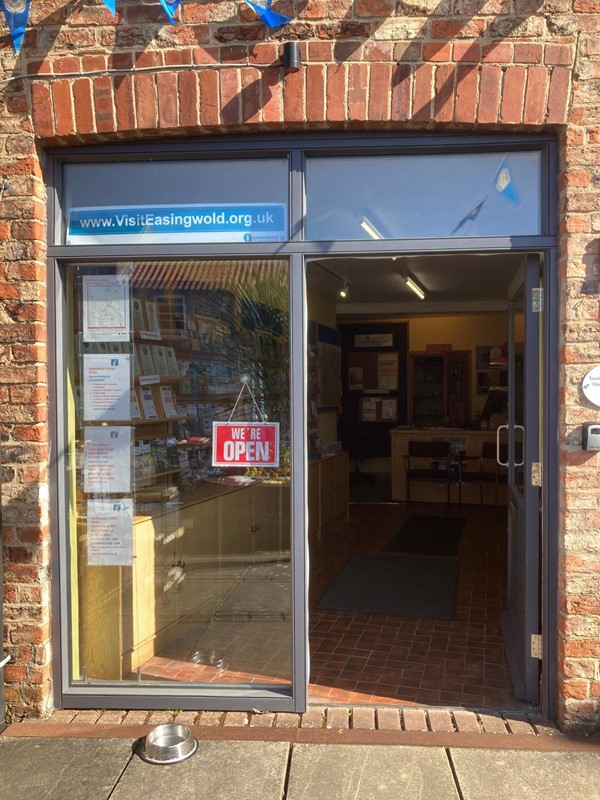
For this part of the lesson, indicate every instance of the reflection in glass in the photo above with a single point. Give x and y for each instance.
(404, 196)
(180, 570)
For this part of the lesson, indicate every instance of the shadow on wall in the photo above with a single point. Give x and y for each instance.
(137, 27)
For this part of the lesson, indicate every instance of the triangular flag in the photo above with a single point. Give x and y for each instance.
(472, 215)
(171, 9)
(16, 13)
(270, 18)
(111, 5)
(504, 184)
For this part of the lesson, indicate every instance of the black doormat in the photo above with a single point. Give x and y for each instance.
(398, 585)
(428, 536)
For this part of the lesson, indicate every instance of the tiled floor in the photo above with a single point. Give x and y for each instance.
(359, 658)
(378, 659)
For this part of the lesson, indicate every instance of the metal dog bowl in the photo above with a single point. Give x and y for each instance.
(168, 744)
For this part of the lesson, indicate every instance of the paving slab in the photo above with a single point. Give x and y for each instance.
(218, 770)
(56, 769)
(510, 774)
(363, 772)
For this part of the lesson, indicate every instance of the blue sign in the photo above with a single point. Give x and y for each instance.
(253, 222)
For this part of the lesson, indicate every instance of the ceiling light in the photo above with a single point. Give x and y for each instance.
(368, 226)
(414, 286)
(344, 290)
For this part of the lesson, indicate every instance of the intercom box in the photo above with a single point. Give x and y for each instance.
(591, 436)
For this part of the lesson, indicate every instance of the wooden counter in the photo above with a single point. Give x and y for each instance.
(424, 491)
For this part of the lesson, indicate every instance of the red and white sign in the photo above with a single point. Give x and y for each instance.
(245, 444)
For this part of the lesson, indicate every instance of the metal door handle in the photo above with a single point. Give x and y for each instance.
(4, 661)
(502, 464)
(520, 463)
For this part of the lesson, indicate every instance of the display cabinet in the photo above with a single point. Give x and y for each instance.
(439, 388)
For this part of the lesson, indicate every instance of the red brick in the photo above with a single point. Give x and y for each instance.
(401, 92)
(379, 92)
(187, 82)
(558, 95)
(315, 92)
(559, 54)
(493, 723)
(338, 718)
(124, 102)
(63, 112)
(42, 109)
(103, 104)
(357, 91)
(82, 104)
(489, 93)
(535, 96)
(293, 96)
(363, 719)
(231, 112)
(414, 719)
(466, 722)
(497, 53)
(528, 53)
(145, 101)
(313, 718)
(513, 92)
(336, 92)
(422, 91)
(250, 94)
(166, 87)
(444, 93)
(437, 51)
(271, 95)
(388, 719)
(465, 105)
(467, 52)
(209, 97)
(440, 720)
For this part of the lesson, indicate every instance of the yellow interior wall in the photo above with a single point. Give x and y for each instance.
(463, 332)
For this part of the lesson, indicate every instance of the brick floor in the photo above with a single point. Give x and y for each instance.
(363, 719)
(440, 720)
(338, 718)
(388, 719)
(414, 720)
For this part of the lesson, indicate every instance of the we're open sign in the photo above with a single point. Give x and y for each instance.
(245, 444)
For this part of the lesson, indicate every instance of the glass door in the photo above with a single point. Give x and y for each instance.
(520, 621)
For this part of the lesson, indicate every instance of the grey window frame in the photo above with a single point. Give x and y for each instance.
(296, 148)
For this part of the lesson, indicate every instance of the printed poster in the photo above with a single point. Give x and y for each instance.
(107, 460)
(110, 533)
(106, 387)
(387, 370)
(106, 308)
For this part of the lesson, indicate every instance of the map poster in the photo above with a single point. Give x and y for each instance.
(106, 308)
(110, 533)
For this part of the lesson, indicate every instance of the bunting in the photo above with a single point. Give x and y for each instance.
(270, 18)
(16, 13)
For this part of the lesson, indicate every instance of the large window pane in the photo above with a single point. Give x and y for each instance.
(396, 197)
(179, 549)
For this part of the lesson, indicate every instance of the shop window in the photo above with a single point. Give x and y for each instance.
(178, 456)
(423, 196)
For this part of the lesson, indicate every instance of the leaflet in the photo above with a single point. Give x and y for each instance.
(110, 533)
(148, 403)
(152, 318)
(106, 308)
(135, 406)
(106, 387)
(159, 357)
(166, 396)
(146, 360)
(107, 460)
(172, 362)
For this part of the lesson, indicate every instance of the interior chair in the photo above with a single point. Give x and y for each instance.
(430, 461)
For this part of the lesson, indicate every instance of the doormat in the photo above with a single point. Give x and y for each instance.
(398, 585)
(428, 536)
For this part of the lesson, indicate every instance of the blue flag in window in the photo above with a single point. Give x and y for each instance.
(505, 185)
(472, 215)
(16, 13)
(170, 8)
(270, 18)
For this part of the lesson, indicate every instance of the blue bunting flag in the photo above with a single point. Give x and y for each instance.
(171, 9)
(111, 5)
(16, 13)
(271, 18)
(504, 184)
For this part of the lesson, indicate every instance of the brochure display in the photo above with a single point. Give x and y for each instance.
(179, 439)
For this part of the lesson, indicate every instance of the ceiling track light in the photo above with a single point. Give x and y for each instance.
(345, 289)
(369, 228)
(414, 286)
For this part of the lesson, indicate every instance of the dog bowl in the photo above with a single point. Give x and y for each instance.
(168, 744)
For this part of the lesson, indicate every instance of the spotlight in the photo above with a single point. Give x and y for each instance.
(344, 290)
(291, 57)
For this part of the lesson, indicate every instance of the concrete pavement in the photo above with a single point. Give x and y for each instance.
(109, 769)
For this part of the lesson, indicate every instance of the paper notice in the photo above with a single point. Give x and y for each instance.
(172, 362)
(159, 357)
(105, 308)
(168, 404)
(369, 409)
(389, 409)
(106, 387)
(107, 460)
(387, 367)
(110, 533)
(355, 378)
(148, 403)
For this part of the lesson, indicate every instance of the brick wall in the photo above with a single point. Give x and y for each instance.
(502, 65)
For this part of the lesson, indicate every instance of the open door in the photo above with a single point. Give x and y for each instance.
(521, 620)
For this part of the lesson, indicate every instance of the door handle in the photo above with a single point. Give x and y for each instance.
(520, 463)
(4, 661)
(500, 427)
